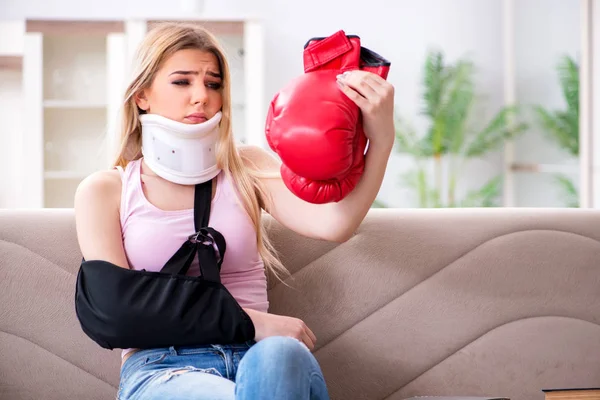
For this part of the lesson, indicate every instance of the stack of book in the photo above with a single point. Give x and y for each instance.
(572, 394)
(551, 394)
(455, 398)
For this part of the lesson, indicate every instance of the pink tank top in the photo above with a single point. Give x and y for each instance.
(151, 236)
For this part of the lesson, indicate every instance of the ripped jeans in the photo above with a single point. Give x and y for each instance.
(274, 368)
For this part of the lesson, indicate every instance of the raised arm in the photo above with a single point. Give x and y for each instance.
(337, 221)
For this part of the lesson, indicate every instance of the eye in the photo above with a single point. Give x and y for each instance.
(214, 85)
(181, 82)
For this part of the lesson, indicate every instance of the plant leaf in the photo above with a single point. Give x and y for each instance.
(486, 196)
(568, 73)
(499, 129)
(417, 180)
(559, 127)
(569, 192)
(408, 142)
(563, 126)
(458, 105)
(434, 81)
(378, 204)
(437, 78)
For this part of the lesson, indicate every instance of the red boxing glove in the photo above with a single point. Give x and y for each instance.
(315, 128)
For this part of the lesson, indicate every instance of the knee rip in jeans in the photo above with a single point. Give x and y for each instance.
(168, 374)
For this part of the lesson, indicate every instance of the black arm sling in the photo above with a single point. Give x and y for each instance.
(125, 308)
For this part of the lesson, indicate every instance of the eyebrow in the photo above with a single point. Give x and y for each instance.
(213, 74)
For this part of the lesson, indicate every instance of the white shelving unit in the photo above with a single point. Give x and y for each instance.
(74, 74)
(11, 101)
(68, 67)
(73, 105)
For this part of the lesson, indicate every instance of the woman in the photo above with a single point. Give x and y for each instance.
(133, 217)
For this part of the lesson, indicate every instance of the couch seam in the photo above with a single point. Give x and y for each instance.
(482, 335)
(39, 255)
(56, 355)
(442, 269)
(292, 276)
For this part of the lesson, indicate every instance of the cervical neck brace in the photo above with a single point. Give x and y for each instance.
(178, 152)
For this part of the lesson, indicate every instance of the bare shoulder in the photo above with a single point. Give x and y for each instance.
(101, 187)
(258, 158)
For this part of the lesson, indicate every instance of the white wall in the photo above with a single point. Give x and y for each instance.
(402, 33)
(111, 9)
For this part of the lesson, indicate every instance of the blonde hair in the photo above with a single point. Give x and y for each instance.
(159, 44)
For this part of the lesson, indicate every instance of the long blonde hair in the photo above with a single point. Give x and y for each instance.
(159, 44)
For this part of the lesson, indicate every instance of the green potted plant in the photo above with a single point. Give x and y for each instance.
(454, 136)
(562, 126)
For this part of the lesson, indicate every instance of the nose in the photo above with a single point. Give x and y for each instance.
(199, 94)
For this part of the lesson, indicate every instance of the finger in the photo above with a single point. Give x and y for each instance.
(376, 80)
(308, 341)
(378, 84)
(353, 95)
(311, 335)
(371, 78)
(357, 81)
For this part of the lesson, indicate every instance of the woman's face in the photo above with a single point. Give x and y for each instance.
(187, 88)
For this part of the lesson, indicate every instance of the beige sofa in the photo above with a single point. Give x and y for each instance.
(501, 302)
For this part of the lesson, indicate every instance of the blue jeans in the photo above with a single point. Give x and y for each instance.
(274, 368)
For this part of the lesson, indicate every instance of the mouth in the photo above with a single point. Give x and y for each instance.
(196, 118)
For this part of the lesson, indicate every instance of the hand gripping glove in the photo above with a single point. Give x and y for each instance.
(315, 128)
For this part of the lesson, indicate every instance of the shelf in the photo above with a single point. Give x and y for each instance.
(217, 26)
(74, 68)
(60, 193)
(65, 175)
(74, 139)
(11, 62)
(73, 104)
(544, 190)
(52, 27)
(544, 168)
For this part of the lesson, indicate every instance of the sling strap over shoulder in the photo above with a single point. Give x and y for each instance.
(124, 308)
(206, 242)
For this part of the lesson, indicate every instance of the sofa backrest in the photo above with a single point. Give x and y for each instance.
(478, 302)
